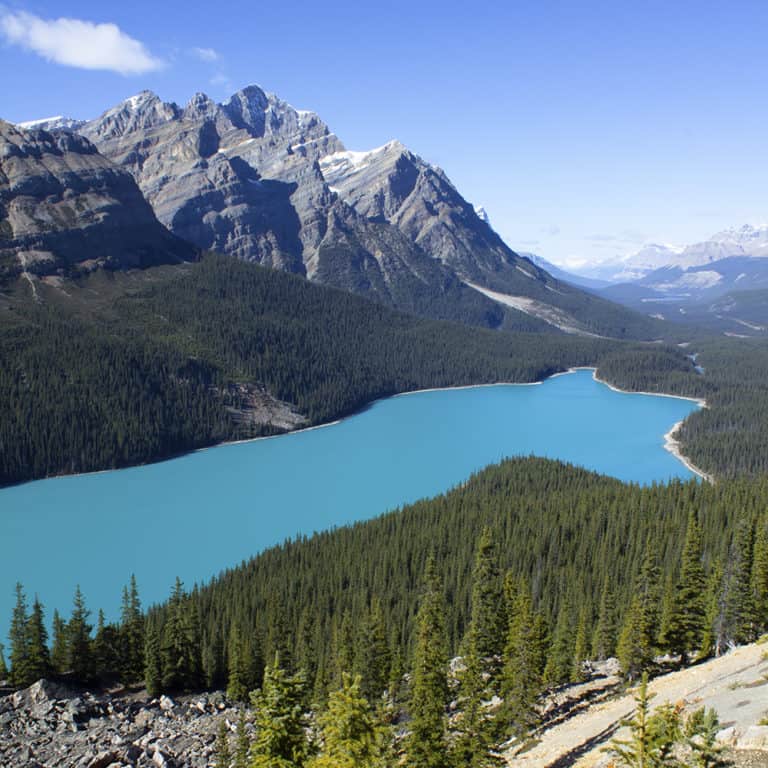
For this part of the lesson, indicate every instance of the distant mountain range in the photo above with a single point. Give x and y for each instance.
(745, 241)
(256, 179)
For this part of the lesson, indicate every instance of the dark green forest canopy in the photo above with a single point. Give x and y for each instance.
(566, 531)
(118, 369)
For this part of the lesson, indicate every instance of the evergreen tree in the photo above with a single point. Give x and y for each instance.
(521, 676)
(375, 655)
(242, 743)
(636, 643)
(701, 729)
(38, 664)
(222, 756)
(280, 741)
(604, 642)
(237, 666)
(740, 608)
(652, 738)
(180, 646)
(760, 574)
(107, 648)
(60, 646)
(3, 666)
(486, 629)
(560, 656)
(132, 634)
(580, 652)
(350, 735)
(19, 638)
(426, 744)
(686, 625)
(79, 640)
(709, 644)
(153, 661)
(343, 649)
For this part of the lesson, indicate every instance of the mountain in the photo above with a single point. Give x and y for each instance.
(563, 275)
(745, 241)
(64, 207)
(255, 178)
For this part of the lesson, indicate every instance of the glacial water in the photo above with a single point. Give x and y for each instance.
(203, 512)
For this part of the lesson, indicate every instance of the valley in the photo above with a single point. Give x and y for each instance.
(303, 466)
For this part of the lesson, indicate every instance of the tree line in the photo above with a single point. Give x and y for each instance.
(525, 575)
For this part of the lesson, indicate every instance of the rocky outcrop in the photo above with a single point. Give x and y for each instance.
(64, 207)
(51, 726)
(244, 178)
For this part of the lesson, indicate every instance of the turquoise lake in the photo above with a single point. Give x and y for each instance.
(205, 511)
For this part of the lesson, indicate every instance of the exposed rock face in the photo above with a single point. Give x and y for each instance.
(51, 726)
(244, 178)
(63, 206)
(392, 184)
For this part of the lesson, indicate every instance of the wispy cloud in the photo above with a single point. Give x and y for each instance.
(551, 230)
(78, 43)
(205, 54)
(222, 82)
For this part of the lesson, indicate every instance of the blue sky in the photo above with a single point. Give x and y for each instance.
(584, 128)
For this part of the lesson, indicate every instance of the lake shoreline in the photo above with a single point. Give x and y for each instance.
(671, 444)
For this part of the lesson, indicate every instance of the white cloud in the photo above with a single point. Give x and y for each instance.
(222, 81)
(78, 43)
(205, 54)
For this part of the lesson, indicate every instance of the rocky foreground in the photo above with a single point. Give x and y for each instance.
(52, 726)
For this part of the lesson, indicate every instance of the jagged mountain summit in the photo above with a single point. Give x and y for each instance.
(65, 207)
(737, 242)
(254, 178)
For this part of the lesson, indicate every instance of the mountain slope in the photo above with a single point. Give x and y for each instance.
(250, 178)
(64, 207)
(147, 364)
(242, 178)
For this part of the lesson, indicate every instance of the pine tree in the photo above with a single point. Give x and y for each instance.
(38, 664)
(560, 656)
(19, 639)
(604, 642)
(237, 668)
(701, 729)
(580, 652)
(222, 756)
(281, 740)
(3, 666)
(375, 657)
(351, 737)
(686, 625)
(760, 574)
(486, 629)
(636, 643)
(242, 743)
(521, 676)
(482, 660)
(132, 634)
(60, 646)
(709, 644)
(426, 744)
(653, 737)
(153, 662)
(107, 647)
(180, 644)
(740, 608)
(79, 640)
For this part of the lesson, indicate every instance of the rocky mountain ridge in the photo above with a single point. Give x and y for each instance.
(254, 178)
(63, 206)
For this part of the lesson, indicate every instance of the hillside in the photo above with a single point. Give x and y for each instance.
(155, 362)
(255, 178)
(733, 684)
